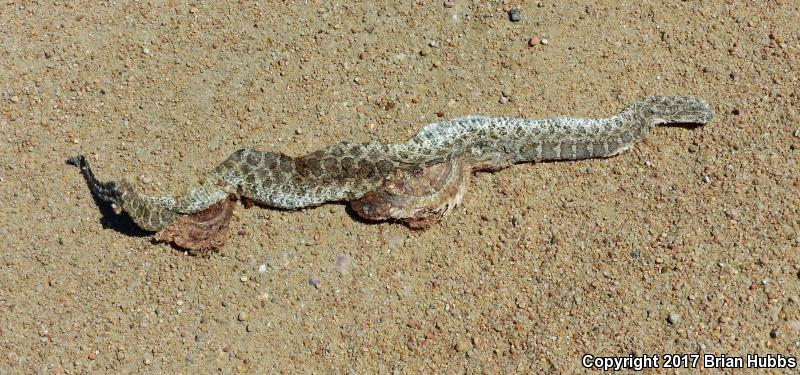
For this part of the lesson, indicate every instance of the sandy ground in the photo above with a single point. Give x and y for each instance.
(686, 244)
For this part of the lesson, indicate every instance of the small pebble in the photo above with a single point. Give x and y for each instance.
(775, 333)
(343, 263)
(395, 241)
(440, 114)
(242, 316)
(449, 3)
(299, 131)
(314, 281)
(461, 346)
(15, 99)
(544, 41)
(673, 318)
(244, 278)
(532, 42)
(503, 100)
(262, 268)
(514, 15)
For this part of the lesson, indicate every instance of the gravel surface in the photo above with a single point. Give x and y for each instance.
(686, 244)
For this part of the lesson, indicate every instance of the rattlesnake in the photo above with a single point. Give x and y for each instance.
(417, 182)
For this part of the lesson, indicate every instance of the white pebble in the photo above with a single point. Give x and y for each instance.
(544, 41)
(343, 264)
(262, 268)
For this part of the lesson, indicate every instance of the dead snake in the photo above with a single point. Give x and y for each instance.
(418, 181)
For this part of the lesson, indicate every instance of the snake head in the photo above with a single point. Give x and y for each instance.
(675, 110)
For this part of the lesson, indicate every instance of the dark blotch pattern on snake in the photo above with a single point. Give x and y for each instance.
(418, 181)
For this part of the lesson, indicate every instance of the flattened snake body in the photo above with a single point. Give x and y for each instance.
(416, 182)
